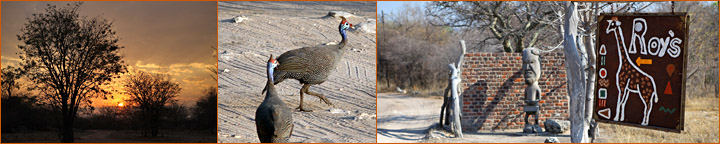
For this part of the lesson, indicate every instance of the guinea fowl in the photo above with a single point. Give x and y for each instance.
(273, 118)
(312, 65)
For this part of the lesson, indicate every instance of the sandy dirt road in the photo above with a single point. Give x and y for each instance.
(406, 119)
(274, 28)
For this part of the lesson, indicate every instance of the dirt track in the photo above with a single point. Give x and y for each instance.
(276, 27)
(406, 119)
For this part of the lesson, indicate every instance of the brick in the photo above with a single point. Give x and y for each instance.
(502, 90)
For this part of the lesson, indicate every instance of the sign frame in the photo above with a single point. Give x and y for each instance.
(681, 126)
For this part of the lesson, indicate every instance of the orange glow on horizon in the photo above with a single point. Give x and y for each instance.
(121, 105)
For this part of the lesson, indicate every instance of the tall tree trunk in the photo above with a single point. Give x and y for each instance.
(590, 83)
(155, 123)
(387, 76)
(67, 117)
(575, 72)
(67, 128)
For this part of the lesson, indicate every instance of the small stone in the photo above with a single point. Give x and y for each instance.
(362, 116)
(339, 13)
(336, 111)
(532, 129)
(239, 19)
(551, 140)
(557, 126)
(528, 129)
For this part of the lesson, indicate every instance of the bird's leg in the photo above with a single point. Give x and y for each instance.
(306, 87)
(300, 108)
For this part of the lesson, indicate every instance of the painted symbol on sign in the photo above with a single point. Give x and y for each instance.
(668, 89)
(670, 69)
(630, 78)
(603, 72)
(603, 82)
(667, 110)
(603, 51)
(602, 93)
(602, 60)
(641, 61)
(605, 113)
(602, 103)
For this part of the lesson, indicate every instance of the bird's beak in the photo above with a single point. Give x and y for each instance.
(352, 27)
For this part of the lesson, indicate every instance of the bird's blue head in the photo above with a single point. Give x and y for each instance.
(344, 25)
(272, 63)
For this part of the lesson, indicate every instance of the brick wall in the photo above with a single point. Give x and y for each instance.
(493, 90)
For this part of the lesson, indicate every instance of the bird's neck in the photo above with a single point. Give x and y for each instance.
(343, 34)
(270, 84)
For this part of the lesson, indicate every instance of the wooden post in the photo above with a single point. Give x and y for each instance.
(455, 96)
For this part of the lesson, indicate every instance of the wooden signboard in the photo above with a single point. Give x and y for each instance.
(641, 72)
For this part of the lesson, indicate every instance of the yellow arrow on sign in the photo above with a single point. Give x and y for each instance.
(641, 61)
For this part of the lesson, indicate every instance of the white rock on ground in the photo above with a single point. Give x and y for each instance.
(336, 111)
(556, 126)
(362, 116)
(239, 19)
(367, 27)
(339, 13)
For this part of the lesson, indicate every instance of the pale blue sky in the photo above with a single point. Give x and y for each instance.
(393, 6)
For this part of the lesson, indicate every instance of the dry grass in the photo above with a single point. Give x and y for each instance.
(436, 89)
(701, 126)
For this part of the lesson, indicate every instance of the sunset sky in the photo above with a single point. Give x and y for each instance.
(172, 38)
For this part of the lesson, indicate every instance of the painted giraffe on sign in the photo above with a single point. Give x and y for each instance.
(630, 78)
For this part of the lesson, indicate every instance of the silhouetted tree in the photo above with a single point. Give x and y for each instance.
(69, 57)
(205, 111)
(175, 117)
(150, 92)
(10, 75)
